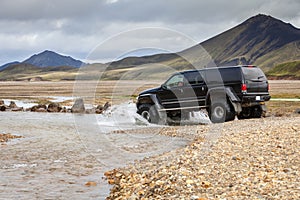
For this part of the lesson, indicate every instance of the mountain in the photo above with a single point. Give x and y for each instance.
(256, 41)
(46, 65)
(50, 58)
(260, 40)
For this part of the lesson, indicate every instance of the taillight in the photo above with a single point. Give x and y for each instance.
(244, 88)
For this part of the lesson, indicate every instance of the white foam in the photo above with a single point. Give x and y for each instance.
(122, 117)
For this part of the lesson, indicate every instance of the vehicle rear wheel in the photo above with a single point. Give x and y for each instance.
(149, 112)
(221, 112)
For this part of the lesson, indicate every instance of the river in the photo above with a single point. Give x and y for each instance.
(61, 153)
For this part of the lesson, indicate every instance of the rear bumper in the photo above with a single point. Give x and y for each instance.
(255, 98)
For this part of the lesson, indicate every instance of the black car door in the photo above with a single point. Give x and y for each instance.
(195, 90)
(172, 91)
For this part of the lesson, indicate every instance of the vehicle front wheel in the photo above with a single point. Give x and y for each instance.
(149, 112)
(221, 112)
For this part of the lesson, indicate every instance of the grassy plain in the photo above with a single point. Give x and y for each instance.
(99, 92)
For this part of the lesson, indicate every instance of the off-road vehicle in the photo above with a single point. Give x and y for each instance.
(225, 92)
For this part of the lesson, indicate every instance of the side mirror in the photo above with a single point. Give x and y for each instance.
(164, 86)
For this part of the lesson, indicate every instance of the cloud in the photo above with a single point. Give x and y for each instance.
(77, 27)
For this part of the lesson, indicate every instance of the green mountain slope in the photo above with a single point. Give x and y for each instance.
(289, 70)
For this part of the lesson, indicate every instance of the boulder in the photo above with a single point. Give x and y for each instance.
(13, 105)
(2, 107)
(54, 107)
(100, 109)
(78, 106)
(41, 110)
(1, 102)
(38, 107)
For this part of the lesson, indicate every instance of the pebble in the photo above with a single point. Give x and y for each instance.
(248, 159)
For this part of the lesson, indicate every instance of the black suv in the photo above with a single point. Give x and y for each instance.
(223, 91)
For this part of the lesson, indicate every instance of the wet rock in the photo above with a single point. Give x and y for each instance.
(54, 107)
(38, 108)
(100, 109)
(106, 106)
(13, 105)
(1, 102)
(41, 110)
(2, 108)
(64, 110)
(78, 106)
(18, 109)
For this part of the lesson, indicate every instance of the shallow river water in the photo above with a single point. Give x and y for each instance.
(60, 153)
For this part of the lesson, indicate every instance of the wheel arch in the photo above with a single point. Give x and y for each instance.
(223, 94)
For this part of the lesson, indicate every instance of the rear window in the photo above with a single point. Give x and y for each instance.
(253, 73)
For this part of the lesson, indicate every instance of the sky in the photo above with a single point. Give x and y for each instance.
(117, 28)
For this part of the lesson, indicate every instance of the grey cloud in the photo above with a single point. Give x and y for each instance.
(75, 27)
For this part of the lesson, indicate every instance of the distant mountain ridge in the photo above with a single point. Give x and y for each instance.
(52, 59)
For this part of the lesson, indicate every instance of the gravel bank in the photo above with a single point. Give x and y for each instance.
(242, 159)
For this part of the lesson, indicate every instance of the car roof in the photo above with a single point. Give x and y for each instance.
(211, 68)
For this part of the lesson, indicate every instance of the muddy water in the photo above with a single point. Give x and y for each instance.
(60, 153)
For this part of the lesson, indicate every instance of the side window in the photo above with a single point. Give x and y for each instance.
(194, 78)
(175, 81)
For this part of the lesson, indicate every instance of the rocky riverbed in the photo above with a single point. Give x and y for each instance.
(63, 156)
(242, 159)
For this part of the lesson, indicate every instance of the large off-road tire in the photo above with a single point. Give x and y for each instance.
(220, 112)
(149, 112)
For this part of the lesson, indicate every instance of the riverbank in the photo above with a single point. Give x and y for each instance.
(242, 159)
